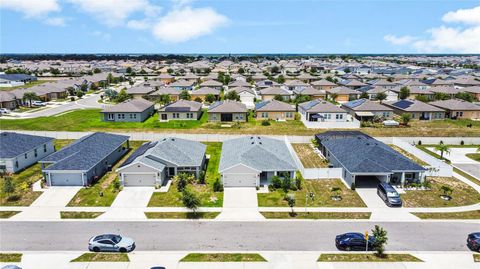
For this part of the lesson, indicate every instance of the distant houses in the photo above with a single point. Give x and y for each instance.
(134, 110)
(180, 110)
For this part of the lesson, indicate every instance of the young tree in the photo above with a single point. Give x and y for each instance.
(30, 96)
(197, 99)
(210, 98)
(465, 96)
(447, 191)
(129, 70)
(232, 95)
(190, 200)
(275, 69)
(122, 96)
(8, 186)
(443, 149)
(405, 118)
(217, 185)
(281, 79)
(421, 98)
(380, 96)
(333, 96)
(286, 184)
(97, 70)
(185, 95)
(181, 182)
(291, 202)
(109, 78)
(164, 99)
(381, 239)
(278, 97)
(364, 95)
(404, 93)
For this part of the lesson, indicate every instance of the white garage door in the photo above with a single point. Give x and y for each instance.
(239, 180)
(139, 180)
(60, 179)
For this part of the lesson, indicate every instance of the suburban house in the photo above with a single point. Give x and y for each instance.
(266, 83)
(417, 109)
(12, 80)
(364, 109)
(352, 83)
(204, 91)
(252, 161)
(227, 111)
(172, 92)
(292, 85)
(84, 161)
(180, 110)
(473, 90)
(323, 84)
(247, 95)
(383, 83)
(374, 91)
(343, 94)
(153, 163)
(165, 78)
(139, 91)
(270, 93)
(366, 161)
(19, 151)
(133, 110)
(458, 109)
(183, 85)
(311, 92)
(212, 84)
(415, 91)
(239, 83)
(9, 100)
(274, 110)
(306, 77)
(321, 110)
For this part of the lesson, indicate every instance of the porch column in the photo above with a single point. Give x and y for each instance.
(403, 179)
(121, 179)
(83, 179)
(274, 173)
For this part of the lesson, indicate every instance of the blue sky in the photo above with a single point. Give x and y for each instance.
(239, 26)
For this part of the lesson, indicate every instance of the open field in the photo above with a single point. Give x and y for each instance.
(323, 193)
(89, 120)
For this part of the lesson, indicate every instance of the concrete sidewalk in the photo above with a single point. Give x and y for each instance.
(275, 260)
(240, 204)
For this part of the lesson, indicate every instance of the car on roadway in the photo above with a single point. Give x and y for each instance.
(39, 103)
(111, 243)
(4, 111)
(473, 241)
(353, 241)
(389, 195)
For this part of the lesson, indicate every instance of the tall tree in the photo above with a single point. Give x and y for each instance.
(443, 149)
(404, 93)
(185, 95)
(30, 96)
(380, 96)
(232, 95)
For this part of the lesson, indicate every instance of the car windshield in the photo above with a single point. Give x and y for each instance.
(117, 239)
(392, 194)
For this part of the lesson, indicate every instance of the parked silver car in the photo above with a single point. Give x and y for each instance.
(111, 242)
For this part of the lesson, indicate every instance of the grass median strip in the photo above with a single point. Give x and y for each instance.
(474, 214)
(223, 257)
(476, 257)
(102, 257)
(79, 215)
(316, 215)
(467, 176)
(181, 215)
(367, 258)
(8, 214)
(11, 257)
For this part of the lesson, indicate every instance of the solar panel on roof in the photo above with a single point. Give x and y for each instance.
(176, 109)
(403, 104)
(355, 103)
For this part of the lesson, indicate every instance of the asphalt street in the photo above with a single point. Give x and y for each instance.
(230, 236)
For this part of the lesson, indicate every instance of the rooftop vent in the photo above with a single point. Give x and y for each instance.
(253, 143)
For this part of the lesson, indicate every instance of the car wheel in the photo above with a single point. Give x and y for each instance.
(348, 248)
(123, 250)
(96, 249)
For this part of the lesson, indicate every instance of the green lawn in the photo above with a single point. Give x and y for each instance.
(23, 180)
(89, 120)
(10, 257)
(474, 156)
(223, 257)
(475, 214)
(105, 190)
(367, 258)
(316, 215)
(308, 157)
(79, 214)
(102, 257)
(181, 215)
(321, 189)
(8, 214)
(205, 192)
(462, 194)
(467, 176)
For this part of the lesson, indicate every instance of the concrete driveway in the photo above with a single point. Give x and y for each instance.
(240, 204)
(127, 204)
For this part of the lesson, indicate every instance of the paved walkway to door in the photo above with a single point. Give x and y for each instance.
(240, 203)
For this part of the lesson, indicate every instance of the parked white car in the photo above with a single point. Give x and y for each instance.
(4, 111)
(39, 103)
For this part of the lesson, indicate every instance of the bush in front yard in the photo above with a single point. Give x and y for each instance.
(276, 182)
(299, 180)
(181, 182)
(217, 185)
(265, 122)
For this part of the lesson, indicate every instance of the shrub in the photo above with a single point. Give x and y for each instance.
(352, 186)
(190, 200)
(419, 142)
(291, 201)
(286, 184)
(271, 188)
(116, 184)
(72, 98)
(380, 240)
(299, 180)
(462, 143)
(201, 177)
(181, 182)
(217, 185)
(276, 182)
(265, 123)
(8, 186)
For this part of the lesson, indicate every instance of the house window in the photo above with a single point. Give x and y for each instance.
(35, 152)
(339, 116)
(264, 114)
(289, 114)
(45, 148)
(26, 156)
(16, 164)
(111, 116)
(134, 116)
(131, 116)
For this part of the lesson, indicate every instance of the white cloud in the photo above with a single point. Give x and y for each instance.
(467, 16)
(462, 39)
(112, 12)
(399, 40)
(187, 23)
(31, 8)
(139, 24)
(55, 21)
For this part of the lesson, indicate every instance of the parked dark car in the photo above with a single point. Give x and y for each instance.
(473, 241)
(389, 195)
(353, 241)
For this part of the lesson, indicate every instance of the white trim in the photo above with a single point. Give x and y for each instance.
(221, 171)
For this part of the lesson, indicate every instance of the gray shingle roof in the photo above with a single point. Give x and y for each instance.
(343, 90)
(13, 144)
(456, 104)
(85, 153)
(366, 105)
(261, 153)
(242, 89)
(413, 106)
(183, 106)
(321, 106)
(274, 91)
(133, 105)
(368, 155)
(323, 82)
(228, 107)
(180, 152)
(211, 83)
(273, 105)
(205, 91)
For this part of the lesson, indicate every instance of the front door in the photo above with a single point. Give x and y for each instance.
(164, 116)
(171, 171)
(226, 117)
